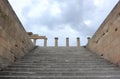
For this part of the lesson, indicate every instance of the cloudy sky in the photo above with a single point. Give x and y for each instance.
(62, 18)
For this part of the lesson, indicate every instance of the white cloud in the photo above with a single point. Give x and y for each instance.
(36, 10)
(55, 9)
(87, 22)
(62, 18)
(99, 2)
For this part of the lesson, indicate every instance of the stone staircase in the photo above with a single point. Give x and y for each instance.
(61, 63)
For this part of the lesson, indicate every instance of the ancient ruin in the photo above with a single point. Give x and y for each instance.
(35, 37)
(20, 58)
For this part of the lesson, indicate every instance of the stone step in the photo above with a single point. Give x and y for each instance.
(55, 58)
(59, 73)
(60, 66)
(59, 53)
(64, 61)
(61, 63)
(60, 56)
(63, 69)
(60, 59)
(76, 57)
(38, 64)
(79, 63)
(61, 77)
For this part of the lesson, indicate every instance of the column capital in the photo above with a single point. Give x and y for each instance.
(78, 38)
(67, 41)
(34, 38)
(45, 38)
(67, 37)
(56, 41)
(56, 37)
(78, 42)
(88, 37)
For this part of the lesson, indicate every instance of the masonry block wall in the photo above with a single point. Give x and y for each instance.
(14, 42)
(106, 40)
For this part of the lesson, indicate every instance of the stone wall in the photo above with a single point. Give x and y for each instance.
(106, 40)
(14, 41)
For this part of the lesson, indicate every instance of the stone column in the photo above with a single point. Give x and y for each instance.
(56, 41)
(67, 42)
(45, 42)
(34, 42)
(88, 39)
(78, 42)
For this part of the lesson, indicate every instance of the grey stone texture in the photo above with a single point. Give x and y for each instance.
(61, 63)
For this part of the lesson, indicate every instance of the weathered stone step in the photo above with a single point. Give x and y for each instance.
(53, 58)
(41, 57)
(58, 73)
(74, 54)
(62, 69)
(63, 73)
(63, 63)
(62, 56)
(38, 64)
(60, 65)
(59, 54)
(61, 60)
(61, 77)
